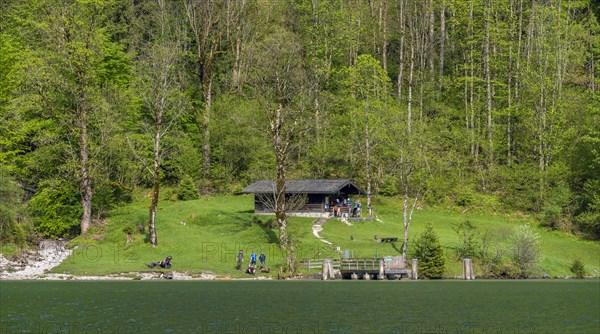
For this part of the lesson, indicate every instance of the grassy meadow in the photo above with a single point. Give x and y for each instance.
(204, 236)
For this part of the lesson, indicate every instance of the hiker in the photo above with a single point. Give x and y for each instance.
(253, 258)
(165, 264)
(240, 259)
(262, 258)
(251, 268)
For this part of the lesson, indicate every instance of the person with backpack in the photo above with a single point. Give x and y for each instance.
(240, 259)
(262, 259)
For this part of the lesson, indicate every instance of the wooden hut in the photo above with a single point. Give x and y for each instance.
(317, 195)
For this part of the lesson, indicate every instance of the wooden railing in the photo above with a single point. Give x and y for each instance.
(342, 264)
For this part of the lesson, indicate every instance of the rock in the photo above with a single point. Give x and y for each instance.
(32, 263)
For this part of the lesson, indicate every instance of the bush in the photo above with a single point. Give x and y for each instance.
(429, 252)
(469, 245)
(578, 268)
(588, 219)
(525, 246)
(187, 189)
(56, 209)
(14, 228)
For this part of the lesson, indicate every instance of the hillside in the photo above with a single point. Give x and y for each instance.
(204, 236)
(461, 100)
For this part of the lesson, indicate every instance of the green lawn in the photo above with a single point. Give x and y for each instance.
(216, 228)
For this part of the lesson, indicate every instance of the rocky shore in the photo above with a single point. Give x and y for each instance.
(34, 265)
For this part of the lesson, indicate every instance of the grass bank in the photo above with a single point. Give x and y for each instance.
(204, 236)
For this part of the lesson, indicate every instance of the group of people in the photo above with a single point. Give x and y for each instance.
(252, 264)
(348, 206)
(165, 264)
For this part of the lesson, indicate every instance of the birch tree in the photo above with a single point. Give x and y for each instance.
(279, 83)
(160, 86)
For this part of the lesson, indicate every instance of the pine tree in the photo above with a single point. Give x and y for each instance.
(430, 254)
(187, 189)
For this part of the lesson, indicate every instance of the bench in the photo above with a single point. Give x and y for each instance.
(391, 239)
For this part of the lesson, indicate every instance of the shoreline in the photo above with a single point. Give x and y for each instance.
(34, 265)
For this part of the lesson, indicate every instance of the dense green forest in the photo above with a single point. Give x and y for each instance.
(484, 104)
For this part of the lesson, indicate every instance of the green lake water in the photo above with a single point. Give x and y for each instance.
(300, 307)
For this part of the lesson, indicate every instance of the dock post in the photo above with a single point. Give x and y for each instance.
(381, 275)
(326, 274)
(415, 270)
(467, 270)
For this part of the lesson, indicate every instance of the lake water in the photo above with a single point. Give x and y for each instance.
(300, 307)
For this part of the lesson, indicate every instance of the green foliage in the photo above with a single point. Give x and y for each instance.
(14, 227)
(525, 250)
(56, 210)
(428, 250)
(519, 187)
(589, 219)
(578, 268)
(468, 244)
(535, 152)
(187, 189)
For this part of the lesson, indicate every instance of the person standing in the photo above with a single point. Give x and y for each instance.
(253, 258)
(240, 259)
(262, 259)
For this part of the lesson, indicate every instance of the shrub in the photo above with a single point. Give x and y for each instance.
(187, 189)
(56, 209)
(429, 252)
(525, 246)
(578, 268)
(468, 245)
(14, 228)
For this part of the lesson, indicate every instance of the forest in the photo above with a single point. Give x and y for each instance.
(481, 104)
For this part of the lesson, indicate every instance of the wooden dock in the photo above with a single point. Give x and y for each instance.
(363, 268)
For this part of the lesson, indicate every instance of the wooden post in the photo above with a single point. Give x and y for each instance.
(331, 271)
(381, 270)
(325, 273)
(467, 270)
(415, 270)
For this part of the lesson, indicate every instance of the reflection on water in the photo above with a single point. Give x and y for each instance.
(300, 307)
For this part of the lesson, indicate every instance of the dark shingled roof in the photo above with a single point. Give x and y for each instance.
(322, 186)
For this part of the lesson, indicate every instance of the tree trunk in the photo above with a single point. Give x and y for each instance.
(206, 120)
(510, 88)
(486, 59)
(85, 186)
(155, 180)
(442, 43)
(280, 146)
(405, 220)
(384, 48)
(474, 145)
(431, 39)
(368, 157)
(410, 89)
(401, 52)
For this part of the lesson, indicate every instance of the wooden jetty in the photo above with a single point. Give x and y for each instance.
(387, 267)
